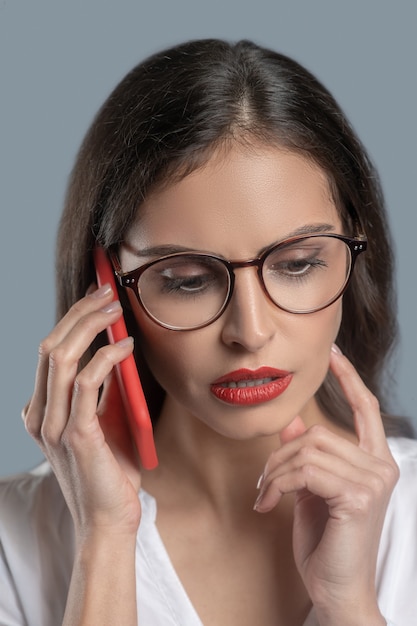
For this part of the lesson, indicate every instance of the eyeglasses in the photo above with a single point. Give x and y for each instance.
(186, 291)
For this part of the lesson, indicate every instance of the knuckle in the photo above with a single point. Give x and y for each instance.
(389, 472)
(105, 355)
(91, 377)
(77, 308)
(318, 432)
(371, 402)
(84, 381)
(307, 471)
(57, 358)
(72, 437)
(376, 484)
(306, 453)
(88, 323)
(363, 499)
(50, 435)
(32, 425)
(45, 348)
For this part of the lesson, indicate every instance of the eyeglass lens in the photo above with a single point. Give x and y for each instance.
(307, 274)
(184, 291)
(189, 290)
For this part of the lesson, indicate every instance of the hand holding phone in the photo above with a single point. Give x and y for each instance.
(127, 375)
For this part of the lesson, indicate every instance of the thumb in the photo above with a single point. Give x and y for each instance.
(293, 430)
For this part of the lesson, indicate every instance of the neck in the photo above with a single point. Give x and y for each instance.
(196, 463)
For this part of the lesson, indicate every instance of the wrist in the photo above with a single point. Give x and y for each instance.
(103, 543)
(103, 583)
(97, 529)
(351, 616)
(348, 605)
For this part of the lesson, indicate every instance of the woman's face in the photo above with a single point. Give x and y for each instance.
(242, 201)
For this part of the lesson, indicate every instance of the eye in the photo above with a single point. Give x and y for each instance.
(297, 261)
(173, 281)
(298, 267)
(186, 277)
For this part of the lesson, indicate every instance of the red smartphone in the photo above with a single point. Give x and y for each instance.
(127, 375)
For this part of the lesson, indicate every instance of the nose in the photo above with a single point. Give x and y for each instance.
(250, 318)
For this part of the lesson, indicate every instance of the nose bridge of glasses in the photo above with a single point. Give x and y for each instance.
(248, 320)
(255, 263)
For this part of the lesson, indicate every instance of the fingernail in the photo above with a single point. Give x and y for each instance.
(102, 291)
(127, 341)
(260, 481)
(24, 411)
(112, 307)
(336, 349)
(256, 506)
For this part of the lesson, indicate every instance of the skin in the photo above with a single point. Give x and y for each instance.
(310, 533)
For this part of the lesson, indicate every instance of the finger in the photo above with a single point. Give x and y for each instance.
(320, 439)
(365, 406)
(290, 432)
(376, 474)
(339, 482)
(318, 481)
(63, 367)
(35, 409)
(92, 302)
(34, 412)
(83, 424)
(65, 384)
(293, 430)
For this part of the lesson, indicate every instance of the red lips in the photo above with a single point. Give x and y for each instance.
(246, 387)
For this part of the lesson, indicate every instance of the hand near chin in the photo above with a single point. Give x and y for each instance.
(342, 490)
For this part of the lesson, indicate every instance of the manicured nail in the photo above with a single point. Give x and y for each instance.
(336, 349)
(256, 506)
(126, 342)
(102, 291)
(260, 481)
(112, 307)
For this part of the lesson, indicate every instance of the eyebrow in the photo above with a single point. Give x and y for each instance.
(164, 250)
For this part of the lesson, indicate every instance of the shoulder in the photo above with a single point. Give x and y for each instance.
(404, 452)
(26, 492)
(36, 547)
(403, 504)
(33, 511)
(397, 560)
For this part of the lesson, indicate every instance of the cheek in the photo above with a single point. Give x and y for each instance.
(325, 328)
(320, 333)
(167, 354)
(175, 358)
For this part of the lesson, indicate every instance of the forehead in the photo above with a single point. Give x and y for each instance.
(240, 201)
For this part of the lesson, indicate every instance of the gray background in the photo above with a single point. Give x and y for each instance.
(59, 60)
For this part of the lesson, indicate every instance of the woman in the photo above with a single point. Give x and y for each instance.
(230, 177)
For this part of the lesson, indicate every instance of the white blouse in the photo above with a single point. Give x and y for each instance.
(37, 544)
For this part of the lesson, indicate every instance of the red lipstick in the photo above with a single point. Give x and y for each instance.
(245, 387)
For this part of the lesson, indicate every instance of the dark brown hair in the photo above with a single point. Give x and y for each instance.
(164, 120)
